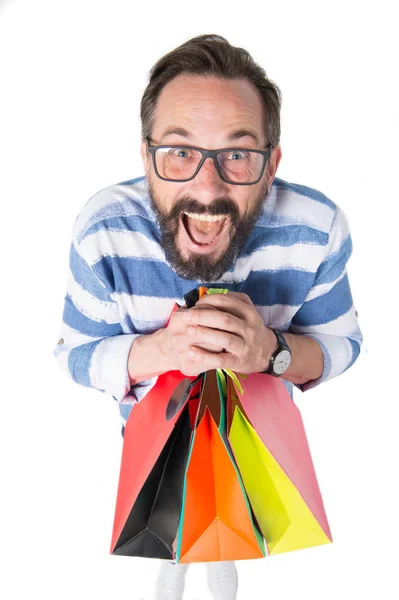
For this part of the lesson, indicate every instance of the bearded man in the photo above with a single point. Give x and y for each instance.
(209, 211)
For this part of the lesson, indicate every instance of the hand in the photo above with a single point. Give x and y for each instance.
(233, 324)
(175, 343)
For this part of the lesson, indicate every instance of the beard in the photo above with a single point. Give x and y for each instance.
(204, 268)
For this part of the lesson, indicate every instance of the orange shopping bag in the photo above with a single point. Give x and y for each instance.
(216, 521)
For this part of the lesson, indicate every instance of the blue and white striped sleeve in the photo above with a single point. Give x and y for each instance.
(328, 314)
(92, 349)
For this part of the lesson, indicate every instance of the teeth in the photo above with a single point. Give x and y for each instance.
(210, 218)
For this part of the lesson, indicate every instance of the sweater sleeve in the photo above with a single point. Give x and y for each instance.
(328, 314)
(92, 349)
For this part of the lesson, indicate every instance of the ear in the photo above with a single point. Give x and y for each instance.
(144, 155)
(273, 163)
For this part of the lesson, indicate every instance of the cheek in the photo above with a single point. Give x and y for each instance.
(167, 201)
(256, 197)
(164, 196)
(245, 202)
(170, 194)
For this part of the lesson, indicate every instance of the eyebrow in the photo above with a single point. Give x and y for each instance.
(176, 131)
(235, 135)
(239, 133)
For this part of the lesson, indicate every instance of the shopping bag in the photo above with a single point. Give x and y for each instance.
(216, 521)
(268, 439)
(154, 457)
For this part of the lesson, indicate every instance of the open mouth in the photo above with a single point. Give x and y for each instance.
(204, 230)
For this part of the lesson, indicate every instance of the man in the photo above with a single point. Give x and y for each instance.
(210, 211)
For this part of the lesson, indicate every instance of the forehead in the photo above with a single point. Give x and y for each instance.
(208, 107)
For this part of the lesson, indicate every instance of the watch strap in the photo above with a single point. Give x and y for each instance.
(282, 345)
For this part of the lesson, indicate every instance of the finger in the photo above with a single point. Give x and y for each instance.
(209, 347)
(177, 314)
(229, 341)
(235, 304)
(216, 319)
(240, 296)
(177, 322)
(208, 360)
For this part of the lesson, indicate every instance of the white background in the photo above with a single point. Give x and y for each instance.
(71, 78)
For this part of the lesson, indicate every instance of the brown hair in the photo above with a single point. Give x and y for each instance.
(211, 55)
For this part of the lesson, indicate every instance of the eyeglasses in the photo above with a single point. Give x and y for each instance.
(237, 166)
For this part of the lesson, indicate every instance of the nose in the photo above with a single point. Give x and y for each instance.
(207, 184)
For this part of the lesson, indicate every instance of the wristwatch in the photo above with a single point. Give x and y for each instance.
(281, 358)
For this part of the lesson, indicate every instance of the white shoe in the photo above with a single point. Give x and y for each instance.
(222, 580)
(171, 579)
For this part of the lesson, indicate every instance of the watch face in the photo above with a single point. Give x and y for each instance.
(282, 362)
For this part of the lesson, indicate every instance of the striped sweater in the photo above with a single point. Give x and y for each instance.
(120, 285)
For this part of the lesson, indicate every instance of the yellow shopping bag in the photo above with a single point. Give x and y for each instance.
(268, 439)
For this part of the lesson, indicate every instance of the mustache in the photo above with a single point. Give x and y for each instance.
(219, 206)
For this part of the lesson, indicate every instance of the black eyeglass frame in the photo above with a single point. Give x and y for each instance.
(208, 154)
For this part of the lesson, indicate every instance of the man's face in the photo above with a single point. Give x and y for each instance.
(212, 114)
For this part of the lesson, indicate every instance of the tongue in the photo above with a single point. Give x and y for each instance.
(202, 232)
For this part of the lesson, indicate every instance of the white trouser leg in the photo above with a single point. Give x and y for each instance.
(170, 582)
(222, 580)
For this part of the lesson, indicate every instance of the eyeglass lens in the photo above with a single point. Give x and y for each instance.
(237, 166)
